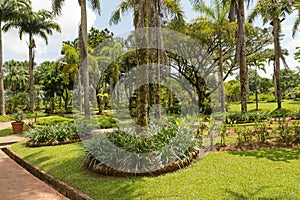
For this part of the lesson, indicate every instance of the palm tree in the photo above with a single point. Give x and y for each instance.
(147, 14)
(40, 24)
(258, 62)
(113, 53)
(273, 11)
(237, 11)
(57, 8)
(216, 15)
(9, 9)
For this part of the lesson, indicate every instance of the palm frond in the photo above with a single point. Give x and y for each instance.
(95, 5)
(57, 6)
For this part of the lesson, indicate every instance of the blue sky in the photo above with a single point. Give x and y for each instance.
(69, 21)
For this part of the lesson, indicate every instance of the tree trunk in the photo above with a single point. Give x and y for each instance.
(79, 92)
(142, 73)
(84, 59)
(221, 82)
(241, 55)
(31, 77)
(66, 99)
(276, 30)
(256, 89)
(2, 90)
(232, 11)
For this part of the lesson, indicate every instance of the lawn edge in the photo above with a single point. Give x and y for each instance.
(58, 185)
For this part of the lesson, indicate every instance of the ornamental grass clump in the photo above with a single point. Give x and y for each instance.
(126, 151)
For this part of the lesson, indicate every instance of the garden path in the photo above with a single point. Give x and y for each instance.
(18, 184)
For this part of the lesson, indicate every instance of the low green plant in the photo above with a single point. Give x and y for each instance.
(285, 131)
(53, 133)
(53, 120)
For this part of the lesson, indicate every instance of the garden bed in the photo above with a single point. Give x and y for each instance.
(92, 164)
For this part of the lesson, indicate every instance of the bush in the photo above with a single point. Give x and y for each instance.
(106, 122)
(267, 97)
(19, 101)
(280, 113)
(52, 134)
(53, 120)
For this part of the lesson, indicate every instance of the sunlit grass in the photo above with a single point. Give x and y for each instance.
(267, 174)
(267, 106)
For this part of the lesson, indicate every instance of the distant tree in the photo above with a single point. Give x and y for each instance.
(273, 11)
(40, 24)
(16, 76)
(9, 10)
(83, 44)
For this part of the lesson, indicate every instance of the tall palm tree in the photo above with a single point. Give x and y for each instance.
(216, 15)
(147, 14)
(9, 9)
(95, 4)
(237, 12)
(273, 11)
(113, 53)
(40, 24)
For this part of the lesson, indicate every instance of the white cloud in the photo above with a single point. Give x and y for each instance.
(69, 22)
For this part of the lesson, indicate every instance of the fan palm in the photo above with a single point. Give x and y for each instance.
(9, 10)
(40, 24)
(16, 76)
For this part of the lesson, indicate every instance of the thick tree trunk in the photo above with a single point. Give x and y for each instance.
(2, 90)
(142, 73)
(276, 30)
(84, 59)
(221, 82)
(241, 55)
(31, 77)
(232, 11)
(156, 58)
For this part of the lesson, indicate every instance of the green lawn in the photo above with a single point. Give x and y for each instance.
(268, 174)
(6, 132)
(266, 106)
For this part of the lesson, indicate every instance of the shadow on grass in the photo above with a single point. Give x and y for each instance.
(69, 169)
(284, 155)
(6, 132)
(294, 102)
(251, 194)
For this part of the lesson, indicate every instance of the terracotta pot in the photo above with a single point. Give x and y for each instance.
(17, 127)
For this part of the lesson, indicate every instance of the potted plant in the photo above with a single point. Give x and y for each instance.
(18, 124)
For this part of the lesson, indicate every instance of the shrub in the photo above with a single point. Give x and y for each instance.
(107, 122)
(53, 120)
(52, 134)
(280, 113)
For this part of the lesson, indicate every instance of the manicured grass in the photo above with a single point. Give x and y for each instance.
(6, 132)
(268, 174)
(6, 118)
(266, 106)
